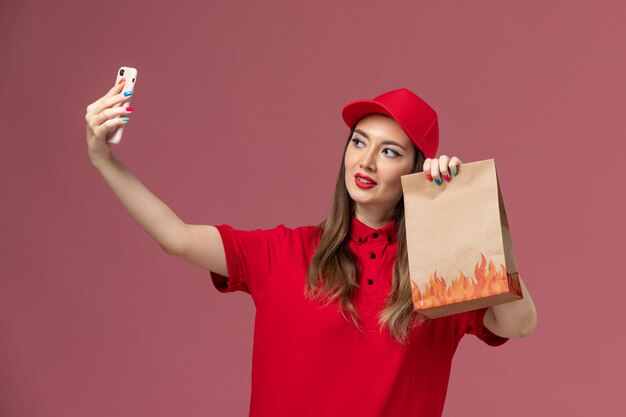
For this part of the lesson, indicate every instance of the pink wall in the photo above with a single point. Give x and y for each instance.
(237, 106)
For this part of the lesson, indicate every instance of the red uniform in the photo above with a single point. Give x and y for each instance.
(309, 361)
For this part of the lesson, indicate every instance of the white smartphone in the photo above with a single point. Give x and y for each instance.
(131, 78)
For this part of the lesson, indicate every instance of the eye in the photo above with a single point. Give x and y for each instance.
(355, 140)
(396, 154)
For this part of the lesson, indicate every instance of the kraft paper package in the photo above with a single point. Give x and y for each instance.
(458, 242)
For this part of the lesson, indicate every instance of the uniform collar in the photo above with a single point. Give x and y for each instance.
(361, 233)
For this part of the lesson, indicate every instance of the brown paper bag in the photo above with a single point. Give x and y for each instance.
(458, 242)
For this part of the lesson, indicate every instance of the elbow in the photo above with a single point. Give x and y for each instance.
(529, 326)
(168, 250)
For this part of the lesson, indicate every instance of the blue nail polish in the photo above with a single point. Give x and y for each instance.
(438, 181)
(128, 93)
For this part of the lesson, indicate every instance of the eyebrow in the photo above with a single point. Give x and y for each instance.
(385, 142)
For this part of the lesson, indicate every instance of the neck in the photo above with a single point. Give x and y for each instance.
(373, 217)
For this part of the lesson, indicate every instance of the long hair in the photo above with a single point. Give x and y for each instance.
(332, 273)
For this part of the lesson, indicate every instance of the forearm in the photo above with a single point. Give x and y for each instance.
(519, 314)
(152, 214)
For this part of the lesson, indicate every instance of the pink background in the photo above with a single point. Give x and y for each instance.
(238, 121)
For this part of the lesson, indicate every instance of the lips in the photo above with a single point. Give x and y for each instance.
(365, 177)
(367, 182)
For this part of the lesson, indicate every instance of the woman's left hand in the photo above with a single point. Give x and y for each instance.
(435, 168)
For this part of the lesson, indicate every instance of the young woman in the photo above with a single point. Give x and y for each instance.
(335, 331)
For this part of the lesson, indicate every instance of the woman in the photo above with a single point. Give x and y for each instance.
(335, 333)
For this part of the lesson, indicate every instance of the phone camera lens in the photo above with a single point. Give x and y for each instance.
(121, 72)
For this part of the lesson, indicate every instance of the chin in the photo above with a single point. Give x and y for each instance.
(361, 198)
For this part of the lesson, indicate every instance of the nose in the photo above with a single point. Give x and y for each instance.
(368, 161)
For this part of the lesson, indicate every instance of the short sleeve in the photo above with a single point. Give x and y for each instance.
(471, 322)
(250, 255)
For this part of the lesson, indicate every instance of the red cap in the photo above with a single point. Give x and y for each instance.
(414, 115)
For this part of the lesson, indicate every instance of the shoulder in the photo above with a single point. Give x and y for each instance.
(307, 230)
(305, 235)
(280, 237)
(299, 239)
(280, 230)
(280, 234)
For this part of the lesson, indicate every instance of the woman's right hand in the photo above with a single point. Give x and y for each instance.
(102, 121)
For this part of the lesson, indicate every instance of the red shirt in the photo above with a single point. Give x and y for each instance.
(310, 361)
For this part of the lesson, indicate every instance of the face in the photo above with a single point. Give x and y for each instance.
(380, 150)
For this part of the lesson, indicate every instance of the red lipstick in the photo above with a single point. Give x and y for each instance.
(364, 185)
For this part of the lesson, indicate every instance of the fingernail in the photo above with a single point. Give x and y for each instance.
(438, 181)
(129, 108)
(121, 80)
(447, 177)
(429, 177)
(453, 172)
(125, 119)
(128, 93)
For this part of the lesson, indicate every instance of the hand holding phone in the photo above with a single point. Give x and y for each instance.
(131, 78)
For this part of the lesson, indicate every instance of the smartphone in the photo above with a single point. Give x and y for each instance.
(131, 78)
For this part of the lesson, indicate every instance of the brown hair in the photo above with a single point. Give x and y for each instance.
(333, 270)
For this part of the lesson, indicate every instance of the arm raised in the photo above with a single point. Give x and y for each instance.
(203, 246)
(154, 216)
(145, 208)
(199, 244)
